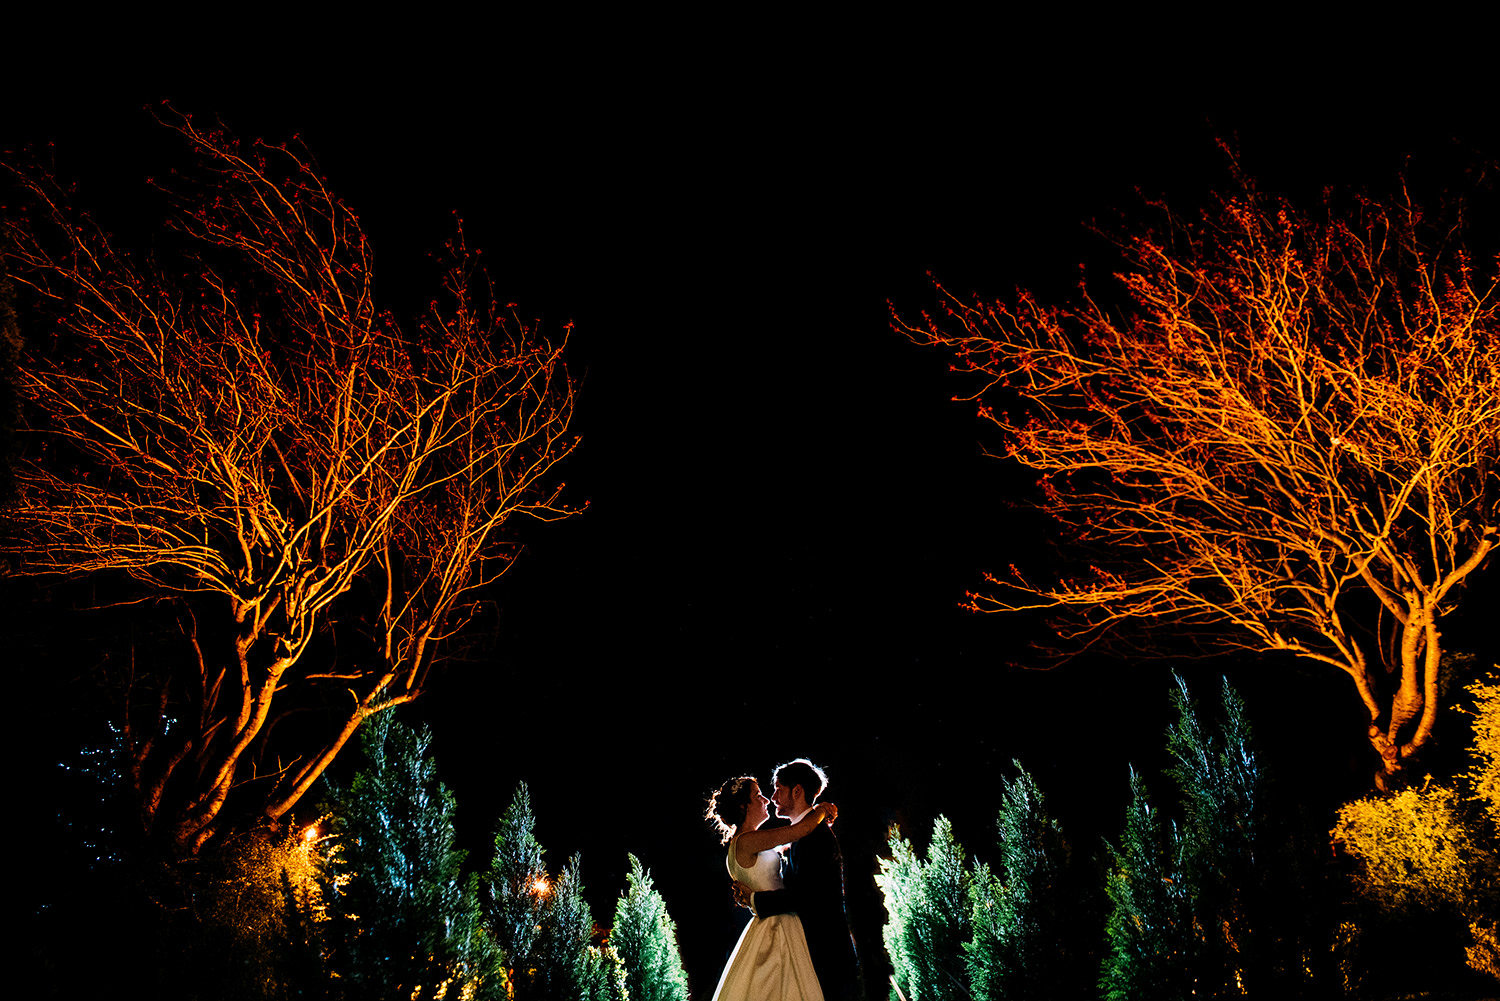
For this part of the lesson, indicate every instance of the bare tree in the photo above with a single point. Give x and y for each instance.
(247, 432)
(1286, 438)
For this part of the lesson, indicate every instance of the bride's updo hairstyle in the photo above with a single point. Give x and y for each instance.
(727, 807)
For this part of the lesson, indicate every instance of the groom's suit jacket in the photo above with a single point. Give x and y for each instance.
(813, 876)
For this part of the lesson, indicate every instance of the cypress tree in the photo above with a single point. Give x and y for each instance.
(544, 927)
(561, 954)
(517, 898)
(1221, 789)
(929, 906)
(990, 952)
(900, 882)
(1026, 918)
(1151, 941)
(407, 917)
(1202, 910)
(948, 906)
(603, 976)
(645, 939)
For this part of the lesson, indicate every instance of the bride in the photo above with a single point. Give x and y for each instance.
(770, 961)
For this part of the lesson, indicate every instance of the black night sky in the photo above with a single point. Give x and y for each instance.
(785, 507)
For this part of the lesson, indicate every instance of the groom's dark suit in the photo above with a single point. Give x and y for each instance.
(813, 876)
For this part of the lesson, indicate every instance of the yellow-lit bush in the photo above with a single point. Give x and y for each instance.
(265, 884)
(257, 914)
(1414, 848)
(1484, 954)
(1486, 774)
(1427, 848)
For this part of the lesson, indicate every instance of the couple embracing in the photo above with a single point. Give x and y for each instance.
(797, 947)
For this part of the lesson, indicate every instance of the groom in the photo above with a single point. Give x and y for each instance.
(813, 875)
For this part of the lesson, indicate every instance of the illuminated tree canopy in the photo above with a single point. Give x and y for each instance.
(238, 427)
(1285, 438)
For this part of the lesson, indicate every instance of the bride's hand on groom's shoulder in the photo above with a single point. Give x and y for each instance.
(831, 812)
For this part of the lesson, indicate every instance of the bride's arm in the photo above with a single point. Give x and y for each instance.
(755, 842)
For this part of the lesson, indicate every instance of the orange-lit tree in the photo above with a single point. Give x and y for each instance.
(237, 429)
(1285, 437)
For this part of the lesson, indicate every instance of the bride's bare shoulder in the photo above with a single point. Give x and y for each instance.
(742, 854)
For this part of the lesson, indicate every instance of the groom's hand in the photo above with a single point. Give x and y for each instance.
(744, 896)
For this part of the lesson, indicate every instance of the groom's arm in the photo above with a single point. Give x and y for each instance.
(764, 903)
(818, 874)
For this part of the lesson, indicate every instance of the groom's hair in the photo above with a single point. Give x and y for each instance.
(801, 772)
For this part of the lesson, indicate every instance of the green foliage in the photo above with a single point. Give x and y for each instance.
(603, 976)
(1026, 919)
(253, 923)
(948, 904)
(563, 963)
(1220, 782)
(408, 919)
(990, 953)
(516, 881)
(952, 933)
(1200, 909)
(1221, 787)
(382, 904)
(543, 926)
(900, 881)
(243, 920)
(1150, 930)
(645, 939)
(928, 915)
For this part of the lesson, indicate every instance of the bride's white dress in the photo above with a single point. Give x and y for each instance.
(770, 961)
